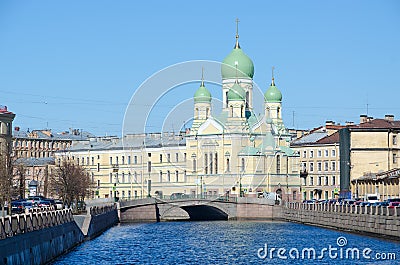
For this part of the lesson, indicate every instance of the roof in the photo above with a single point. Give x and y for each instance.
(377, 124)
(131, 141)
(47, 134)
(330, 139)
(310, 138)
(32, 161)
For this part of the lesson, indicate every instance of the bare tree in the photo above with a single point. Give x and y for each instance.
(70, 181)
(19, 170)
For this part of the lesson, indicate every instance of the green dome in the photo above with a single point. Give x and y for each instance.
(273, 94)
(236, 93)
(245, 65)
(202, 94)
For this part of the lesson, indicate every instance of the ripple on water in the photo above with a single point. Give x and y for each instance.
(220, 242)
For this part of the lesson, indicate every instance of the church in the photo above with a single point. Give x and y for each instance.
(228, 152)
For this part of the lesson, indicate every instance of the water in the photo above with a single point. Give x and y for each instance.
(224, 242)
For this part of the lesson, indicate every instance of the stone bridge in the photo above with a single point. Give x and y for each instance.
(221, 208)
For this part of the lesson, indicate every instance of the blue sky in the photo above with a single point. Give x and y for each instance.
(77, 63)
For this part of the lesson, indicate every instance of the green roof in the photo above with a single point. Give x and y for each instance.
(273, 94)
(202, 94)
(236, 93)
(245, 66)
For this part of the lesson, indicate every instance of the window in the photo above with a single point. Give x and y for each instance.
(92, 161)
(394, 159)
(319, 153)
(228, 166)
(111, 178)
(177, 176)
(129, 177)
(149, 166)
(129, 160)
(135, 160)
(333, 153)
(194, 165)
(123, 160)
(211, 163)
(326, 165)
(117, 160)
(98, 183)
(206, 164)
(319, 181)
(169, 158)
(311, 167)
(176, 157)
(278, 164)
(149, 154)
(304, 154)
(294, 195)
(319, 166)
(184, 157)
(242, 168)
(169, 176)
(160, 158)
(311, 181)
(123, 177)
(83, 161)
(111, 160)
(326, 181)
(333, 166)
(135, 179)
(333, 180)
(311, 153)
(326, 153)
(394, 139)
(98, 167)
(160, 177)
(304, 166)
(216, 163)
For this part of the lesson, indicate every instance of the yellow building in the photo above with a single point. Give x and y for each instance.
(319, 162)
(374, 152)
(230, 153)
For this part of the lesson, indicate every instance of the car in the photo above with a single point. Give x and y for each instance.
(17, 207)
(58, 205)
(393, 200)
(29, 205)
(52, 202)
(177, 195)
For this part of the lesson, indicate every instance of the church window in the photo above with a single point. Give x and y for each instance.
(278, 164)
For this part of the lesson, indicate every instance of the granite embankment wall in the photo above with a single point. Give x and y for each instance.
(37, 238)
(381, 221)
(97, 220)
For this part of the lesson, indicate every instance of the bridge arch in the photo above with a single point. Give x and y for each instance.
(193, 210)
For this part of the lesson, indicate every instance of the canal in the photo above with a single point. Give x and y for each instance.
(231, 242)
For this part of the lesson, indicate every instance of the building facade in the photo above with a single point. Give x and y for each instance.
(373, 153)
(230, 153)
(319, 162)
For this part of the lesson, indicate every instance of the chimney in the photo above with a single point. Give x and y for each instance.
(369, 118)
(329, 123)
(363, 118)
(349, 123)
(389, 117)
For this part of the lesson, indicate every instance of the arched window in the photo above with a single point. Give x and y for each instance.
(160, 179)
(242, 168)
(231, 110)
(228, 165)
(169, 176)
(177, 176)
